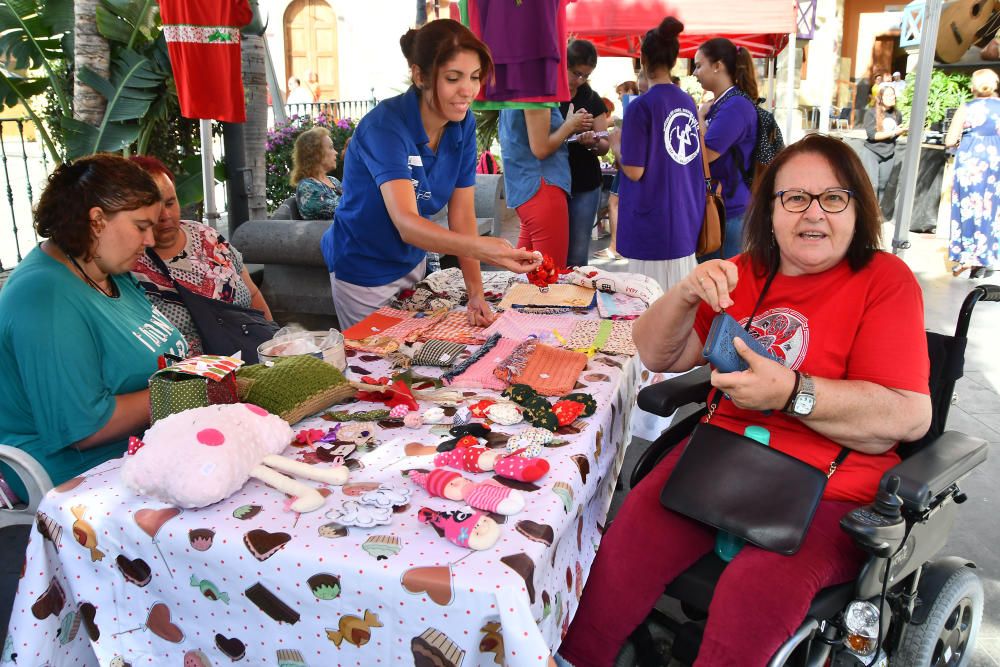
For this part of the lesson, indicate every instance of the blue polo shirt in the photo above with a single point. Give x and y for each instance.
(363, 246)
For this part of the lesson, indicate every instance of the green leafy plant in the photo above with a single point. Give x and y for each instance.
(35, 38)
(281, 142)
(947, 91)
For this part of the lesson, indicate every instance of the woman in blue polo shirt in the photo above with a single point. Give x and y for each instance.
(409, 157)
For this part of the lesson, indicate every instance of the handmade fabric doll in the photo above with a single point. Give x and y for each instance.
(201, 456)
(485, 496)
(472, 530)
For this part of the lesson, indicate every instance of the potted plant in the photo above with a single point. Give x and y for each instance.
(947, 91)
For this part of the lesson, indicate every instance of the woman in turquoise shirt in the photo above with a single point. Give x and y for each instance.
(78, 339)
(409, 157)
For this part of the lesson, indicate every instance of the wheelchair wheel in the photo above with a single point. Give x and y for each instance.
(948, 636)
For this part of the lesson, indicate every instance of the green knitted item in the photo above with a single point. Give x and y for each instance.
(363, 416)
(293, 387)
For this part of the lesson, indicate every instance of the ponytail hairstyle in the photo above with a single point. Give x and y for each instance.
(437, 42)
(109, 182)
(737, 61)
(661, 45)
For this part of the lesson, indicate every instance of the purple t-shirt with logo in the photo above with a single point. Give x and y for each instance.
(732, 132)
(660, 215)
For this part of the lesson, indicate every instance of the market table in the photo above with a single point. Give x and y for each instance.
(246, 579)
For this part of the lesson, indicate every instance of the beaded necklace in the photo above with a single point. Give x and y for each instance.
(111, 294)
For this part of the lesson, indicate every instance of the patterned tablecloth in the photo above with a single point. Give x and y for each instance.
(247, 580)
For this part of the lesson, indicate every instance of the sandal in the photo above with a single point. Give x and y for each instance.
(957, 270)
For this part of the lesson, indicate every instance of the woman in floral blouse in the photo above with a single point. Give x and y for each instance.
(316, 194)
(198, 257)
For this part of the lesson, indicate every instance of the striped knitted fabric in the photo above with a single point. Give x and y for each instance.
(412, 328)
(551, 371)
(434, 481)
(480, 374)
(519, 326)
(487, 496)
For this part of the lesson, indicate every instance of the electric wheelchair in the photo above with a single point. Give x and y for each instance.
(928, 611)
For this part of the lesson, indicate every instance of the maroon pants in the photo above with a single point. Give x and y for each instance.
(760, 600)
(545, 223)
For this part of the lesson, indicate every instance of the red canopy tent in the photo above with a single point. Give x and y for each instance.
(616, 27)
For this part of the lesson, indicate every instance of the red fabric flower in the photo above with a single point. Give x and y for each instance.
(467, 441)
(546, 274)
(308, 436)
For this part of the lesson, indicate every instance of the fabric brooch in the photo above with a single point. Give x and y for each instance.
(539, 412)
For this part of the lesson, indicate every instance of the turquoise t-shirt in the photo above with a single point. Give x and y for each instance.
(66, 351)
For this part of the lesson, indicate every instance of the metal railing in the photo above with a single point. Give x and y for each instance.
(24, 164)
(353, 109)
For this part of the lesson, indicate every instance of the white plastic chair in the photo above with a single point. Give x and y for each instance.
(35, 480)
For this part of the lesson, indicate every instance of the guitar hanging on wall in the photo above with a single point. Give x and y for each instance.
(964, 23)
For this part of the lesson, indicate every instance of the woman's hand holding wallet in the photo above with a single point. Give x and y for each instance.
(765, 385)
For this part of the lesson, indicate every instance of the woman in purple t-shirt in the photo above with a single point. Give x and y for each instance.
(730, 122)
(662, 192)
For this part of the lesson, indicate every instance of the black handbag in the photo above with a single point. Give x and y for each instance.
(225, 328)
(736, 484)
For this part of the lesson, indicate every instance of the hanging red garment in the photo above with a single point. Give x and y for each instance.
(562, 75)
(203, 39)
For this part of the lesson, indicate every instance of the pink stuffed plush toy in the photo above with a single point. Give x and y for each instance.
(472, 530)
(480, 459)
(198, 457)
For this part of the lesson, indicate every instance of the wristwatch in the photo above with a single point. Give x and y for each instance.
(803, 397)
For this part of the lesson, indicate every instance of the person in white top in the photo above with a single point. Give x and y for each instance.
(297, 93)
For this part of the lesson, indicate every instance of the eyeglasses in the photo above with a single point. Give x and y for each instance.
(577, 75)
(833, 200)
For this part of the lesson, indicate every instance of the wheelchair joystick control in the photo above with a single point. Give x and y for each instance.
(878, 528)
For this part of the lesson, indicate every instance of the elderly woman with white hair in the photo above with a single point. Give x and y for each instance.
(975, 195)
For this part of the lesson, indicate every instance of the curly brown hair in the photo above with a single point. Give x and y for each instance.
(307, 155)
(109, 182)
(758, 239)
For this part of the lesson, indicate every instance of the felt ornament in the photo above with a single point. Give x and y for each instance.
(531, 440)
(201, 456)
(588, 401)
(485, 496)
(462, 416)
(479, 408)
(413, 420)
(567, 411)
(433, 415)
(399, 411)
(518, 466)
(390, 392)
(472, 429)
(506, 414)
(472, 530)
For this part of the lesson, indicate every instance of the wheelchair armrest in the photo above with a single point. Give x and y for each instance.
(675, 433)
(927, 473)
(663, 398)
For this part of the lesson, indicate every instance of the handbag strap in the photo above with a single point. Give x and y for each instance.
(162, 267)
(704, 158)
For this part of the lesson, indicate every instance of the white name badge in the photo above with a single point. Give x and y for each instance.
(415, 161)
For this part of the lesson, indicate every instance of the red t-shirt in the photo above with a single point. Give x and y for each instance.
(838, 324)
(203, 40)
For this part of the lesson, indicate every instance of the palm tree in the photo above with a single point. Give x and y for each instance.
(255, 130)
(90, 50)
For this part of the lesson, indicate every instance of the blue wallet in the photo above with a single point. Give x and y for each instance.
(719, 350)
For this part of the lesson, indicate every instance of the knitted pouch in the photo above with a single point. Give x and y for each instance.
(551, 371)
(438, 353)
(519, 326)
(294, 387)
(523, 294)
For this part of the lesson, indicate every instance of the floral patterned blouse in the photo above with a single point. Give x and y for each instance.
(207, 265)
(316, 200)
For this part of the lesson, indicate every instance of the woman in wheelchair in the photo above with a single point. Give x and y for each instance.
(844, 322)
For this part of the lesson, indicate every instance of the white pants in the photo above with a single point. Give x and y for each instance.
(354, 303)
(667, 272)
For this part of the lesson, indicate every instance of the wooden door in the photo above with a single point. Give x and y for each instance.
(311, 47)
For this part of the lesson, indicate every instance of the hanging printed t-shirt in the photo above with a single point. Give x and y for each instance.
(363, 246)
(840, 325)
(525, 42)
(66, 351)
(203, 40)
(732, 132)
(660, 215)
